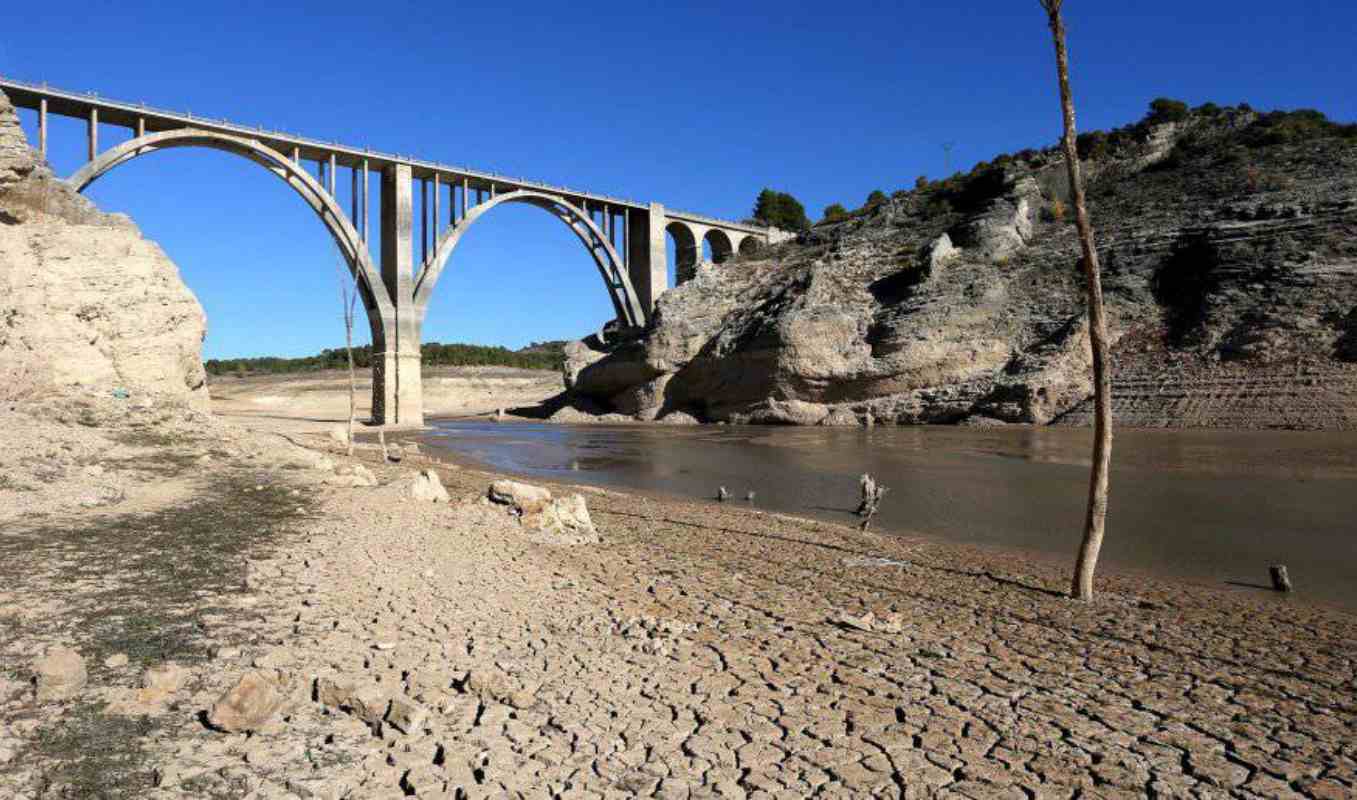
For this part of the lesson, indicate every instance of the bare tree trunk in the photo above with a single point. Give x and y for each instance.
(348, 298)
(1094, 522)
(353, 381)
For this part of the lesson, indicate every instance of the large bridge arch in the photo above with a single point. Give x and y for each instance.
(376, 300)
(612, 269)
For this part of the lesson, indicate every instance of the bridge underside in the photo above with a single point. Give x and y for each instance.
(627, 240)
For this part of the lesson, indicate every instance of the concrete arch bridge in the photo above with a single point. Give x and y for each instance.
(626, 239)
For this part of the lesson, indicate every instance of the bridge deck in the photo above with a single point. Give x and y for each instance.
(153, 120)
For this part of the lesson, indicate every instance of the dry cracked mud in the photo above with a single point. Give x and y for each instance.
(697, 651)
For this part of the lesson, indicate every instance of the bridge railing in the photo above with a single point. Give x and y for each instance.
(460, 171)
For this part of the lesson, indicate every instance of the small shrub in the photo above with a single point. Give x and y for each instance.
(1056, 211)
(1164, 109)
(921, 182)
(835, 212)
(876, 198)
(1091, 145)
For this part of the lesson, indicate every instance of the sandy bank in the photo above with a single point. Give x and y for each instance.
(312, 401)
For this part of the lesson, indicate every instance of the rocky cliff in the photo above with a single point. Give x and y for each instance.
(1229, 249)
(84, 298)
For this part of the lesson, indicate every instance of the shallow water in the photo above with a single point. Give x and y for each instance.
(1217, 506)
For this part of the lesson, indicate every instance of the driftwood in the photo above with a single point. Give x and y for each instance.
(1280, 580)
(872, 493)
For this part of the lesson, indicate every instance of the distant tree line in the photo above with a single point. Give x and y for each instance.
(538, 355)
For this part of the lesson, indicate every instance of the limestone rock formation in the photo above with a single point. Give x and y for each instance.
(1231, 298)
(84, 298)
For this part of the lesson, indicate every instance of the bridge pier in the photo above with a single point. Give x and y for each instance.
(397, 387)
(647, 262)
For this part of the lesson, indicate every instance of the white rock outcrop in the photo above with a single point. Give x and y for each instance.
(85, 299)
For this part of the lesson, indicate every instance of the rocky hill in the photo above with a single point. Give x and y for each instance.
(1229, 248)
(85, 300)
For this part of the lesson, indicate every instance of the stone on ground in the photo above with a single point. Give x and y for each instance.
(158, 683)
(428, 487)
(254, 701)
(59, 675)
(523, 497)
(564, 521)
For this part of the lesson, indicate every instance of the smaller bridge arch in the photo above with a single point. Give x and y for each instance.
(687, 251)
(748, 244)
(719, 244)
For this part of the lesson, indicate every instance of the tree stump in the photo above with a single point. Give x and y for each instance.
(1280, 580)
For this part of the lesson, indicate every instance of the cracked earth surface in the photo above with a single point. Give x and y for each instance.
(709, 651)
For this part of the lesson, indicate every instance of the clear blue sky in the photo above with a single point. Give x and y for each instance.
(695, 105)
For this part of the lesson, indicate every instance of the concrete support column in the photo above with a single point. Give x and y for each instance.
(94, 133)
(396, 379)
(365, 201)
(647, 261)
(434, 214)
(42, 127)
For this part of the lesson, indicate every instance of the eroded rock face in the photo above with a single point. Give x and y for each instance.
(1228, 305)
(84, 298)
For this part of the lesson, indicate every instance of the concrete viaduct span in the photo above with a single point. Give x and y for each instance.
(626, 238)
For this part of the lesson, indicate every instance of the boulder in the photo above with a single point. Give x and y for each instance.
(522, 497)
(254, 701)
(59, 675)
(427, 486)
(368, 703)
(563, 521)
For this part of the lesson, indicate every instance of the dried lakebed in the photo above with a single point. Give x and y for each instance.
(1212, 506)
(696, 651)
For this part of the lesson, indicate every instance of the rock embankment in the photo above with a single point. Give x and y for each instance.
(85, 299)
(1228, 272)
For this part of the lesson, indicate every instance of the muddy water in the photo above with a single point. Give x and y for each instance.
(1217, 506)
